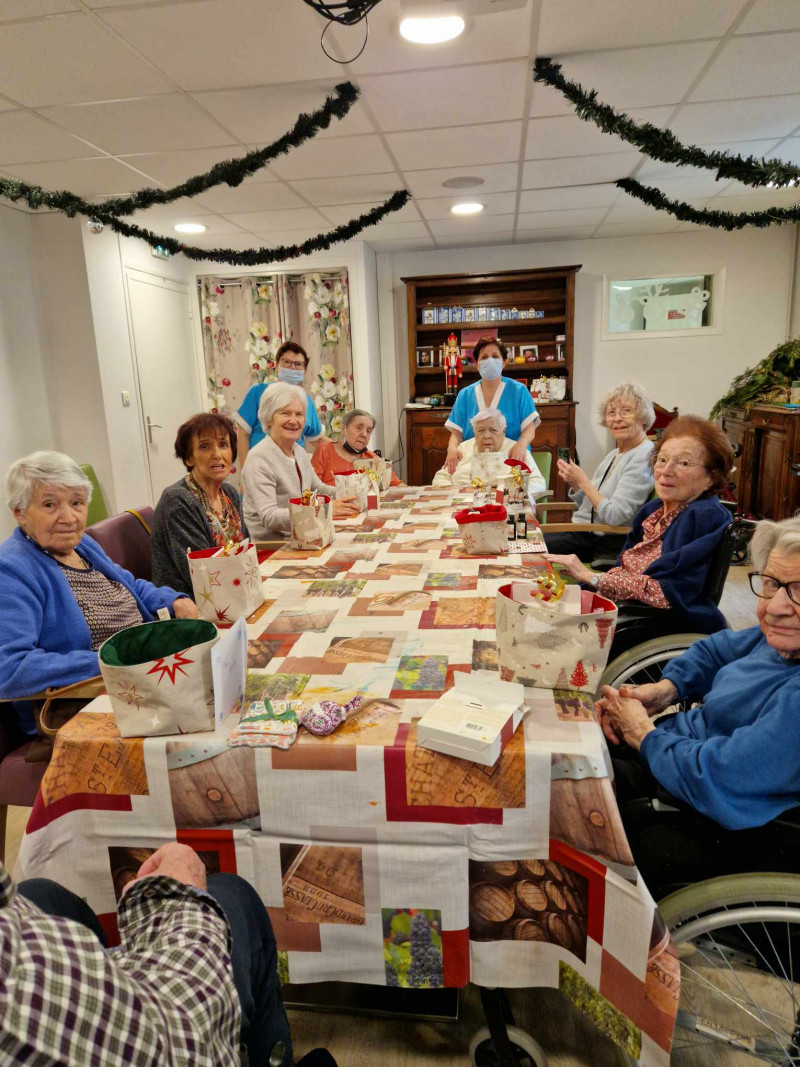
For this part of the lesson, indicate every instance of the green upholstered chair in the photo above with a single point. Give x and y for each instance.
(97, 508)
(543, 461)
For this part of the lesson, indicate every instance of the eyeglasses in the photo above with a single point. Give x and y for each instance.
(292, 365)
(680, 465)
(764, 586)
(611, 413)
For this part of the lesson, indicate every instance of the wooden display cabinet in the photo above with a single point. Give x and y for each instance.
(550, 290)
(766, 444)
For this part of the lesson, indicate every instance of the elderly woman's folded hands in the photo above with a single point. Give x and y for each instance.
(625, 714)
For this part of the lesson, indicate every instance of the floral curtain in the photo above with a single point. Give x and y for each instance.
(245, 321)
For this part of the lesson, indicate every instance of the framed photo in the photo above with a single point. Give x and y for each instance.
(675, 305)
(530, 352)
(428, 316)
(426, 357)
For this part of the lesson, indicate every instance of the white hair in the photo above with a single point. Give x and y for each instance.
(356, 413)
(489, 415)
(43, 468)
(774, 536)
(275, 399)
(635, 393)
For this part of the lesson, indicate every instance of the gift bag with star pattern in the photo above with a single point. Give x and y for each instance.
(159, 678)
(226, 587)
(483, 530)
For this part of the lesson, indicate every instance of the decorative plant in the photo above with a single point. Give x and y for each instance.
(262, 350)
(769, 380)
(332, 398)
(327, 309)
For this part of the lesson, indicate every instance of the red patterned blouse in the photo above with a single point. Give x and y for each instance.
(629, 582)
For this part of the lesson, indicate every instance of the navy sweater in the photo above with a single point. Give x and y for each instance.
(736, 757)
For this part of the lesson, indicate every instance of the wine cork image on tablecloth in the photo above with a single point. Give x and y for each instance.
(322, 884)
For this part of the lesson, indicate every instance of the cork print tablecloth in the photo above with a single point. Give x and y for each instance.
(380, 861)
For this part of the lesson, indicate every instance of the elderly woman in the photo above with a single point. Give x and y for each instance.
(664, 562)
(278, 469)
(62, 595)
(336, 457)
(492, 391)
(488, 427)
(622, 481)
(202, 509)
(735, 756)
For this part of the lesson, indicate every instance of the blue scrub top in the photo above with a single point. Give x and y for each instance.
(512, 399)
(247, 416)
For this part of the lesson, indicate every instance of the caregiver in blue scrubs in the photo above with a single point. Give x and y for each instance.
(492, 391)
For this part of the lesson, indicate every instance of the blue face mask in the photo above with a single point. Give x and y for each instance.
(490, 368)
(291, 376)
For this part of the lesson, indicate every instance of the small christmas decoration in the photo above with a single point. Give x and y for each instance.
(452, 364)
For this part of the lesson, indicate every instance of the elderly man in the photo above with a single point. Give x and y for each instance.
(488, 427)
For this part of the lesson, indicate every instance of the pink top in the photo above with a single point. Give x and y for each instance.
(327, 462)
(629, 582)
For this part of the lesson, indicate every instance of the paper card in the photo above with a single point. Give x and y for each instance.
(229, 670)
(474, 719)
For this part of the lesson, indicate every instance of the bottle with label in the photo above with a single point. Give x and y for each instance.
(521, 524)
(511, 527)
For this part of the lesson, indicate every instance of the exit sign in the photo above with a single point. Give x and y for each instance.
(159, 252)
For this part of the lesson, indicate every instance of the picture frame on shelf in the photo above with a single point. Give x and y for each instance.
(530, 353)
(426, 356)
(429, 316)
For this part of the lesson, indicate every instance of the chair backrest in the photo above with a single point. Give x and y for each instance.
(721, 560)
(97, 508)
(543, 461)
(126, 540)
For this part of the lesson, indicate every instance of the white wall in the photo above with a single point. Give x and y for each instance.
(25, 422)
(690, 373)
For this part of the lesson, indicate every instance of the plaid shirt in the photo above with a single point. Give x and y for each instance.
(165, 997)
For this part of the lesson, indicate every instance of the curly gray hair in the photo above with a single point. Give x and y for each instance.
(770, 536)
(636, 395)
(276, 398)
(43, 468)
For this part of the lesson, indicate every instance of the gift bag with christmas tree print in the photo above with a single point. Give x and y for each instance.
(353, 484)
(228, 586)
(553, 644)
(159, 677)
(483, 530)
(312, 521)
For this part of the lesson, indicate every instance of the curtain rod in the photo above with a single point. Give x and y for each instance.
(240, 280)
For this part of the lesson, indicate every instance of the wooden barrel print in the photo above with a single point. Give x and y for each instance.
(584, 814)
(534, 868)
(490, 906)
(531, 898)
(504, 872)
(524, 930)
(213, 791)
(559, 931)
(555, 896)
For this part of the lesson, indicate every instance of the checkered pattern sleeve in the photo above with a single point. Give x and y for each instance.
(165, 997)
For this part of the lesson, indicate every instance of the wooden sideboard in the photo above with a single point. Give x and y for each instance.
(766, 444)
(427, 437)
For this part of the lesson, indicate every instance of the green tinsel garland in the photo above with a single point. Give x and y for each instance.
(661, 144)
(768, 381)
(719, 220)
(229, 172)
(251, 257)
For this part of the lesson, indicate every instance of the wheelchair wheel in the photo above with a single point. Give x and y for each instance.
(646, 662)
(527, 1052)
(738, 942)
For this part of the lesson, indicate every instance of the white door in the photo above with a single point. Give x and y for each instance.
(168, 375)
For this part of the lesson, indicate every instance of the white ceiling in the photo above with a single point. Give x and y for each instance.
(105, 96)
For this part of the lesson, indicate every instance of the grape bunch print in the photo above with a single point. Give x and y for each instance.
(412, 948)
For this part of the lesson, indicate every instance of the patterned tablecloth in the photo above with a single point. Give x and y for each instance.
(380, 861)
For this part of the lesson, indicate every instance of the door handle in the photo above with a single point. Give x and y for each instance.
(150, 427)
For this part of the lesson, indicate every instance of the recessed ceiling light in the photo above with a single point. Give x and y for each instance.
(190, 227)
(467, 209)
(463, 183)
(432, 30)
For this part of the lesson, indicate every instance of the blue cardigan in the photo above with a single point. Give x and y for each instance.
(736, 757)
(681, 570)
(44, 636)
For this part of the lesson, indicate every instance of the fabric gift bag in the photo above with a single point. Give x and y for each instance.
(158, 677)
(556, 644)
(490, 468)
(483, 530)
(226, 587)
(379, 464)
(312, 522)
(353, 483)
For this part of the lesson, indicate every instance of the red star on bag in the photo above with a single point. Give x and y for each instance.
(222, 614)
(237, 581)
(179, 661)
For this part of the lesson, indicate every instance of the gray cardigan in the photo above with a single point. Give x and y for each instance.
(269, 479)
(179, 523)
(625, 488)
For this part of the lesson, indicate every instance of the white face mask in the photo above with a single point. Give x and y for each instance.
(490, 368)
(290, 375)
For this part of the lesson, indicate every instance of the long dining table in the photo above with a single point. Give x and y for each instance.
(379, 860)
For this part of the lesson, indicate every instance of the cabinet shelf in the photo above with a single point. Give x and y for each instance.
(510, 368)
(450, 327)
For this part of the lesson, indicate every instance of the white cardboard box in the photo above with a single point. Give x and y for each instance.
(475, 719)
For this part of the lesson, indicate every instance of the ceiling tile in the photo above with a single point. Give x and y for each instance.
(579, 170)
(788, 151)
(474, 224)
(689, 187)
(25, 138)
(756, 199)
(252, 195)
(396, 230)
(493, 204)
(771, 15)
(636, 229)
(269, 240)
(29, 9)
(173, 168)
(489, 92)
(577, 196)
(473, 239)
(337, 215)
(753, 66)
(334, 157)
(406, 245)
(228, 44)
(555, 138)
(501, 35)
(75, 60)
(547, 101)
(86, 177)
(585, 26)
(495, 178)
(357, 188)
(654, 168)
(166, 226)
(185, 206)
(150, 124)
(567, 233)
(550, 220)
(266, 221)
(740, 120)
(494, 142)
(628, 209)
(268, 112)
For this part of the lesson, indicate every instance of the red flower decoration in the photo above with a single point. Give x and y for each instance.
(220, 289)
(323, 408)
(237, 581)
(226, 382)
(317, 315)
(208, 320)
(255, 366)
(327, 285)
(280, 336)
(214, 411)
(336, 405)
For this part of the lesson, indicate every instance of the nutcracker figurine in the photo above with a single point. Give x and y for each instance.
(452, 364)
